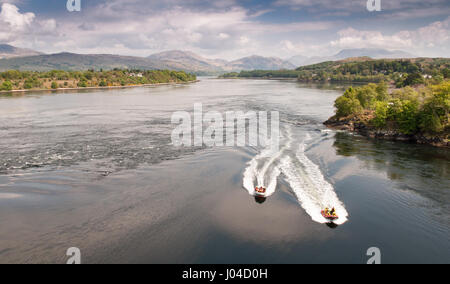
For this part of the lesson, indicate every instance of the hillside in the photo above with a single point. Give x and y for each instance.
(373, 53)
(9, 51)
(362, 69)
(260, 63)
(186, 59)
(173, 60)
(76, 62)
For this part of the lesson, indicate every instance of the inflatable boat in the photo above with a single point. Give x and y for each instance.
(260, 191)
(329, 216)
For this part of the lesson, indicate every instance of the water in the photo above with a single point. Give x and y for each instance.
(96, 170)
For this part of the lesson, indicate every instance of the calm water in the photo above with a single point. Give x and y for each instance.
(96, 170)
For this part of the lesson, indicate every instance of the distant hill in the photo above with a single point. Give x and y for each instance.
(186, 59)
(260, 63)
(298, 60)
(374, 53)
(75, 62)
(9, 51)
(173, 60)
(358, 69)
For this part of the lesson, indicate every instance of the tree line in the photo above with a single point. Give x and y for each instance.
(26, 80)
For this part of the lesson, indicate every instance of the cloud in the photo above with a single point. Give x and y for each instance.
(226, 32)
(428, 40)
(352, 38)
(15, 25)
(16, 21)
(227, 28)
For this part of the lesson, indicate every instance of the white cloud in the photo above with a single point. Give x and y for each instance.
(16, 21)
(15, 26)
(219, 28)
(427, 41)
(352, 38)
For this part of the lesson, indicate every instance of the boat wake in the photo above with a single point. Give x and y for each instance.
(307, 182)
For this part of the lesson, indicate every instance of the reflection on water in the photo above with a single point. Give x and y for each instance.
(422, 169)
(260, 199)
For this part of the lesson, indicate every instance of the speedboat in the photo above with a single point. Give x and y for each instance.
(260, 191)
(328, 216)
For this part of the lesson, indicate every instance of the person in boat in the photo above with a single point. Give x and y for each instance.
(333, 212)
(327, 211)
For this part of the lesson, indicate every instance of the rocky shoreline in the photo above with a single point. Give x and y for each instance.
(362, 126)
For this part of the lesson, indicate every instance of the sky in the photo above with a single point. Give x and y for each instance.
(227, 29)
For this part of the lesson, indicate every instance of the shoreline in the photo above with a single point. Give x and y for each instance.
(97, 88)
(300, 81)
(355, 125)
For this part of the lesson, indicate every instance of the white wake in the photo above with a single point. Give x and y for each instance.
(309, 185)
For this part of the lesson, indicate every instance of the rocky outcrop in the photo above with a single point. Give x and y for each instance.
(362, 126)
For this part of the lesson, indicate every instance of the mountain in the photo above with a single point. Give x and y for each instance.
(9, 51)
(298, 60)
(173, 60)
(24, 59)
(374, 53)
(190, 61)
(260, 63)
(185, 59)
(74, 62)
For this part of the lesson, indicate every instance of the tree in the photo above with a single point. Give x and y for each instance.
(381, 114)
(446, 73)
(382, 91)
(413, 80)
(367, 96)
(6, 86)
(408, 117)
(54, 85)
(348, 104)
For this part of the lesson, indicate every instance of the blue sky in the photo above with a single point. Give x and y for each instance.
(227, 28)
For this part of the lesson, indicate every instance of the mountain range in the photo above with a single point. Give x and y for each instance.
(374, 53)
(9, 51)
(24, 59)
(173, 60)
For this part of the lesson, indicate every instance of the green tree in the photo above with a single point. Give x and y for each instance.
(367, 96)
(381, 114)
(348, 104)
(408, 118)
(6, 86)
(413, 80)
(382, 91)
(434, 117)
(54, 85)
(446, 73)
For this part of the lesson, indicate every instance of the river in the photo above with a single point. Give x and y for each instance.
(97, 170)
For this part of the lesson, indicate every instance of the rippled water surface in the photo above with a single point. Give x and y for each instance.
(97, 170)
